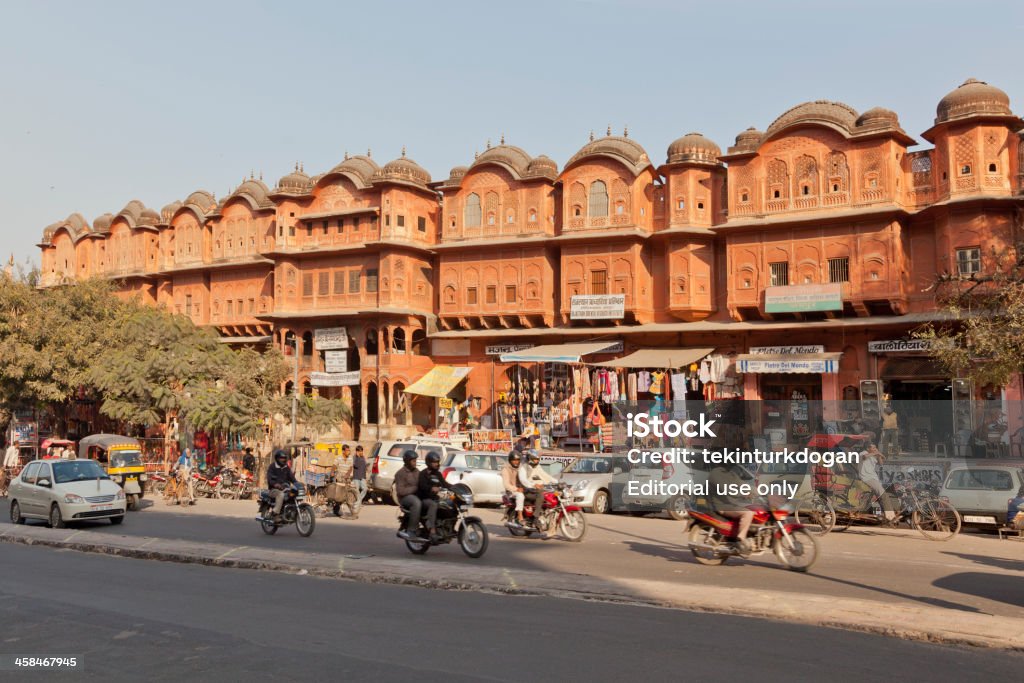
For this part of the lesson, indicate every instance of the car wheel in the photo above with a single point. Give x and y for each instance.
(16, 517)
(117, 520)
(601, 503)
(676, 508)
(56, 519)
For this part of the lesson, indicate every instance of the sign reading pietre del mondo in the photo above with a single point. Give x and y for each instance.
(339, 379)
(330, 338)
(803, 298)
(597, 307)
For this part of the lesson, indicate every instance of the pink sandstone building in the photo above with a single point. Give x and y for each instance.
(817, 237)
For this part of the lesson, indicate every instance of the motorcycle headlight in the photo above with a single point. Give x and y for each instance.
(142, 477)
(120, 494)
(581, 484)
(73, 498)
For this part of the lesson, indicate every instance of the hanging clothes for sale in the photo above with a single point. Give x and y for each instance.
(643, 381)
(631, 386)
(657, 379)
(679, 386)
(704, 374)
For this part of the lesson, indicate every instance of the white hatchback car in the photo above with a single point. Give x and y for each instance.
(981, 492)
(63, 491)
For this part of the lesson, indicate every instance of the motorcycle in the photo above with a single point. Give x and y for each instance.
(243, 486)
(712, 537)
(452, 523)
(568, 519)
(294, 511)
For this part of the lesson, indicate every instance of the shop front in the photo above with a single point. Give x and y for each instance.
(452, 409)
(797, 387)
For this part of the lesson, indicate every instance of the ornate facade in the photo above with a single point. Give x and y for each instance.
(423, 272)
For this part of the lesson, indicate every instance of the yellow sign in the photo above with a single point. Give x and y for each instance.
(445, 403)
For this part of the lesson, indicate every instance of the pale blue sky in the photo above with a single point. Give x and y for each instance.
(104, 102)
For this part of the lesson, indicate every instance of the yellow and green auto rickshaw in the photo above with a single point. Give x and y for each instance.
(121, 456)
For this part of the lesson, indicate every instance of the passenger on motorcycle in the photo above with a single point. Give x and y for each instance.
(279, 479)
(431, 482)
(533, 478)
(510, 479)
(407, 484)
(729, 505)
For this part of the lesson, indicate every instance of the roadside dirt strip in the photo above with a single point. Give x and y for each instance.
(912, 622)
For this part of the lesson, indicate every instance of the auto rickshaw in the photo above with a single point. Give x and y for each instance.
(121, 456)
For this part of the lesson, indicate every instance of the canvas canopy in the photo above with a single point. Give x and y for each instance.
(439, 381)
(658, 358)
(556, 353)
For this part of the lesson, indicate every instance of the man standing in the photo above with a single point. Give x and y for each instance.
(359, 479)
(10, 462)
(890, 432)
(249, 461)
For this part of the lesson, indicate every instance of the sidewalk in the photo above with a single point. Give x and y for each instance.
(912, 622)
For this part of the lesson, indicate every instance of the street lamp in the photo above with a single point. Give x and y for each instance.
(295, 385)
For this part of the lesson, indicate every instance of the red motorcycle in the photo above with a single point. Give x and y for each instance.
(568, 519)
(713, 537)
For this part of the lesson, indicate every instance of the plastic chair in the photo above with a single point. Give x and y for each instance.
(941, 447)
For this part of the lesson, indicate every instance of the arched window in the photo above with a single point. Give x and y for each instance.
(472, 218)
(598, 199)
(307, 343)
(398, 340)
(289, 344)
(419, 342)
(371, 342)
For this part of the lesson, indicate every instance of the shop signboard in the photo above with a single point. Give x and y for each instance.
(330, 338)
(812, 366)
(339, 379)
(907, 472)
(336, 361)
(597, 307)
(498, 349)
(803, 298)
(787, 350)
(900, 345)
(445, 403)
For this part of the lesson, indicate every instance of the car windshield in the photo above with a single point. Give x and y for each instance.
(125, 459)
(591, 466)
(76, 470)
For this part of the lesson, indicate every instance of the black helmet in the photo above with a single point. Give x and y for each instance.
(280, 457)
(514, 455)
(409, 456)
(433, 458)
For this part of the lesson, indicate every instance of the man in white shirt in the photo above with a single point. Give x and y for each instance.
(533, 478)
(11, 457)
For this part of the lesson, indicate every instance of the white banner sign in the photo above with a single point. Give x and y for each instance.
(330, 338)
(900, 345)
(336, 361)
(341, 379)
(788, 366)
(498, 349)
(786, 350)
(597, 307)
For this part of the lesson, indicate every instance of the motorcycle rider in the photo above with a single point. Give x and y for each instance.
(430, 484)
(533, 478)
(279, 479)
(407, 484)
(510, 479)
(730, 505)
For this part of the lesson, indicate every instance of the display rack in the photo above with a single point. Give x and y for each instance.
(871, 400)
(496, 440)
(963, 408)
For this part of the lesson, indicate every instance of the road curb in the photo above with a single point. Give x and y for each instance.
(923, 624)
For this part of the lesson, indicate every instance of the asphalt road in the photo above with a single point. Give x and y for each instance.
(972, 573)
(135, 619)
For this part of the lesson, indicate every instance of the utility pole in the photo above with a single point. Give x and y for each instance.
(295, 386)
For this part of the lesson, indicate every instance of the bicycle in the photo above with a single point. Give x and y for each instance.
(176, 489)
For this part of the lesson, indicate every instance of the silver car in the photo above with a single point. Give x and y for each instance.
(591, 481)
(980, 493)
(386, 459)
(64, 491)
(479, 470)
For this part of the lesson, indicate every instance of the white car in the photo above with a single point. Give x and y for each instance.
(386, 459)
(980, 493)
(63, 491)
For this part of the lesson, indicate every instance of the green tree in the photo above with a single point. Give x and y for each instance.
(982, 336)
(323, 414)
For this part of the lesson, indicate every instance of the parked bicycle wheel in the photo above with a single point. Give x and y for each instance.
(936, 519)
(816, 513)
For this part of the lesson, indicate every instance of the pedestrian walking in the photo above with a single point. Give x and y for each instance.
(184, 467)
(359, 479)
(10, 462)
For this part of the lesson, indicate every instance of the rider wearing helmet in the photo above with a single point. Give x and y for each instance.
(279, 479)
(431, 482)
(509, 478)
(533, 478)
(407, 482)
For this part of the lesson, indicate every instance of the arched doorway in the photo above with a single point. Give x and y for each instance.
(371, 403)
(371, 342)
(399, 400)
(307, 343)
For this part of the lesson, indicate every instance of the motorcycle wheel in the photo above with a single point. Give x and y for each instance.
(798, 552)
(702, 536)
(473, 538)
(573, 526)
(417, 548)
(936, 520)
(816, 513)
(305, 520)
(269, 528)
(133, 502)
